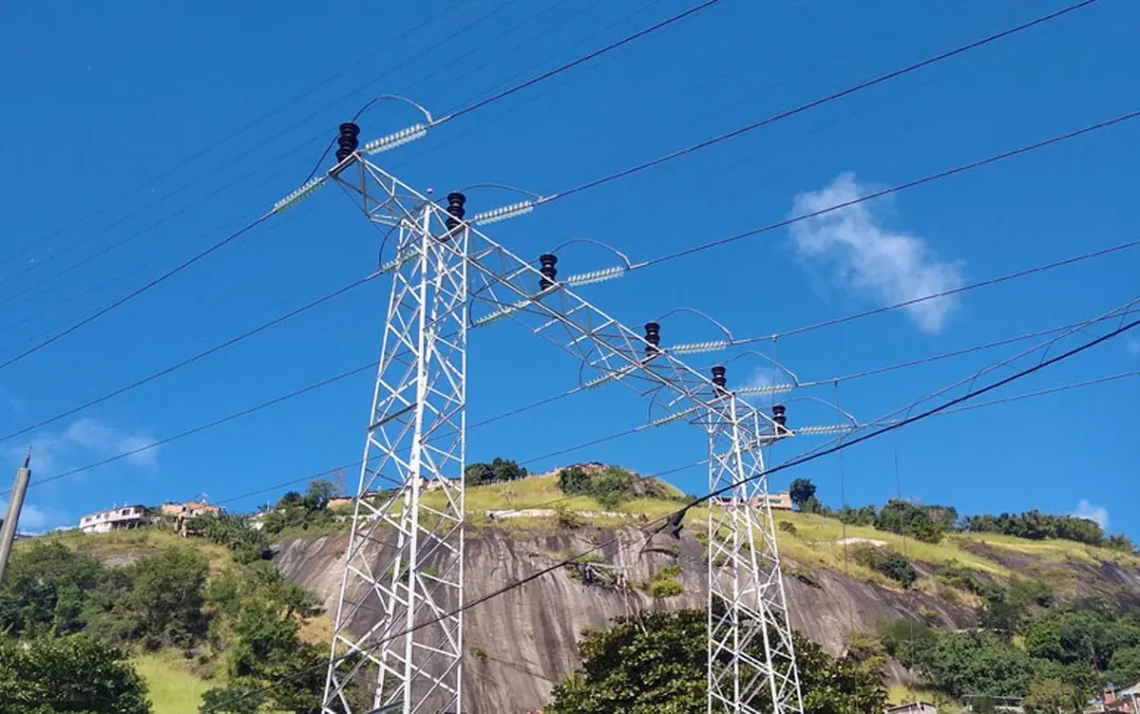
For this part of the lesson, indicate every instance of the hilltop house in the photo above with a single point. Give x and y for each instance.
(1117, 699)
(115, 519)
(188, 509)
(183, 512)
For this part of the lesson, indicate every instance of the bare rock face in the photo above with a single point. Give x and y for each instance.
(525, 642)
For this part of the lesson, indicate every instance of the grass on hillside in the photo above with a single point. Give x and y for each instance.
(139, 542)
(815, 541)
(172, 689)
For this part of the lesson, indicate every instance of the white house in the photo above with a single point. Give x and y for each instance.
(114, 519)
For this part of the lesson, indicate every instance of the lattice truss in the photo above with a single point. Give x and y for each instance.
(404, 564)
(404, 567)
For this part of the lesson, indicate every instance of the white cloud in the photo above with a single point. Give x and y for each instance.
(35, 520)
(1099, 514)
(872, 260)
(86, 440)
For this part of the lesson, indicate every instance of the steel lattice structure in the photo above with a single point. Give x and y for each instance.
(751, 656)
(404, 565)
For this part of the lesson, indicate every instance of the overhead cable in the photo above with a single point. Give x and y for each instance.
(663, 521)
(192, 359)
(821, 101)
(136, 292)
(210, 424)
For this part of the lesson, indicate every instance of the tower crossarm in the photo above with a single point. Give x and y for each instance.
(503, 285)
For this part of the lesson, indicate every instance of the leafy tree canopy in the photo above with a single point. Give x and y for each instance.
(661, 670)
(801, 491)
(68, 674)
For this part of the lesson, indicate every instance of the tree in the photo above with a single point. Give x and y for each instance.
(1052, 696)
(68, 674)
(498, 471)
(168, 595)
(1000, 615)
(802, 491)
(45, 589)
(1125, 665)
(978, 663)
(320, 492)
(234, 532)
(661, 670)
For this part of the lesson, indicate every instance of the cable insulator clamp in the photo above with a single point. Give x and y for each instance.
(502, 213)
(300, 194)
(399, 138)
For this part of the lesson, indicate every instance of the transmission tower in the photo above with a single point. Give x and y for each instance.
(403, 584)
(404, 566)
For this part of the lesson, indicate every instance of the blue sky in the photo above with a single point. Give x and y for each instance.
(105, 104)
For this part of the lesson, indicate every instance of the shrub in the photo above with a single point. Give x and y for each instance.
(664, 583)
(787, 527)
(889, 563)
(498, 471)
(608, 485)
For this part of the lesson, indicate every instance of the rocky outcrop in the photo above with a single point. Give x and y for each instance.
(526, 639)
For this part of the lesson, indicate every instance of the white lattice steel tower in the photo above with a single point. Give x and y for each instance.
(404, 567)
(751, 665)
(403, 585)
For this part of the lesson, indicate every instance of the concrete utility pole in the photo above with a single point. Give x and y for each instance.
(8, 533)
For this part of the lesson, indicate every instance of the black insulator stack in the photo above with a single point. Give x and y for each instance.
(718, 378)
(455, 203)
(653, 337)
(779, 415)
(347, 141)
(547, 261)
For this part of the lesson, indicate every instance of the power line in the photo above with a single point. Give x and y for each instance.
(734, 342)
(584, 58)
(894, 189)
(562, 68)
(137, 291)
(209, 148)
(191, 360)
(945, 293)
(707, 497)
(821, 101)
(211, 424)
(465, 29)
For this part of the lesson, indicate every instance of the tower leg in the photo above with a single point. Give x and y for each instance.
(751, 658)
(394, 643)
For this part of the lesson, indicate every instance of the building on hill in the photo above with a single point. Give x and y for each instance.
(189, 509)
(115, 519)
(1125, 700)
(181, 513)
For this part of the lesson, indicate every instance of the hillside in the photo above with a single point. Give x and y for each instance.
(524, 643)
(526, 638)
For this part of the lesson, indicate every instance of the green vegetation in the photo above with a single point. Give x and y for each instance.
(171, 686)
(656, 663)
(1035, 525)
(234, 532)
(929, 523)
(1048, 653)
(498, 471)
(610, 486)
(75, 673)
(665, 582)
(887, 562)
(236, 623)
(802, 493)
